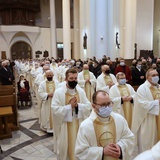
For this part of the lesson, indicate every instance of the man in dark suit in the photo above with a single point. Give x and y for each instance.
(6, 74)
(138, 74)
(96, 69)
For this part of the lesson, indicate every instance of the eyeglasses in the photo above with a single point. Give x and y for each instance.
(105, 104)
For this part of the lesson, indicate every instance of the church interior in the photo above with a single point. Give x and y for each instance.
(67, 29)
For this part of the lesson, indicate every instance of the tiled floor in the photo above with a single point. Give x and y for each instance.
(29, 142)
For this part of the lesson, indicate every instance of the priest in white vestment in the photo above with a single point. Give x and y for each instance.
(46, 91)
(61, 70)
(70, 107)
(34, 72)
(146, 121)
(152, 154)
(122, 96)
(105, 80)
(87, 81)
(39, 78)
(104, 135)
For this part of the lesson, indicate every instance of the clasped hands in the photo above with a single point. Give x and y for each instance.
(50, 95)
(87, 80)
(73, 102)
(126, 98)
(110, 84)
(112, 150)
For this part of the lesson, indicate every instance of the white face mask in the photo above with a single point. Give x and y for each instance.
(122, 81)
(122, 63)
(139, 66)
(155, 79)
(105, 111)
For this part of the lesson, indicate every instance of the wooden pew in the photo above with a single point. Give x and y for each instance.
(5, 131)
(8, 113)
(7, 91)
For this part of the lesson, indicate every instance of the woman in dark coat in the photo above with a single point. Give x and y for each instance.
(23, 89)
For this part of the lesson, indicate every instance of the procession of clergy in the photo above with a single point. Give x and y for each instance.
(96, 117)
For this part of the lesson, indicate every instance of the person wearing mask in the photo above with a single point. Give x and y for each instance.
(145, 65)
(6, 75)
(125, 69)
(70, 107)
(134, 62)
(105, 80)
(104, 134)
(87, 81)
(39, 78)
(46, 91)
(146, 120)
(122, 95)
(23, 91)
(111, 65)
(53, 65)
(158, 67)
(96, 69)
(138, 74)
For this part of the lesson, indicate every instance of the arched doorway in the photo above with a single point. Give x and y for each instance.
(21, 50)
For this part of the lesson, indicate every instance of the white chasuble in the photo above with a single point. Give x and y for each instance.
(105, 133)
(127, 105)
(156, 95)
(72, 128)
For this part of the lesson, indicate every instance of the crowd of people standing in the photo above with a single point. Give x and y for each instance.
(93, 107)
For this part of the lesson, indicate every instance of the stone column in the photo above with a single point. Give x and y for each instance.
(76, 46)
(66, 30)
(129, 28)
(53, 29)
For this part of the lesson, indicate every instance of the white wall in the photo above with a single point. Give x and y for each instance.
(101, 37)
(38, 38)
(144, 33)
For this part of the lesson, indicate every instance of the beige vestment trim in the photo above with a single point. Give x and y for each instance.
(87, 87)
(105, 133)
(156, 95)
(72, 128)
(53, 66)
(127, 105)
(107, 79)
(50, 88)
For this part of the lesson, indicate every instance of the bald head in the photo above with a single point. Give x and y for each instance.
(100, 97)
(105, 68)
(4, 63)
(49, 73)
(85, 67)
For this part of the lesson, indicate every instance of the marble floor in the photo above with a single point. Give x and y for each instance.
(29, 142)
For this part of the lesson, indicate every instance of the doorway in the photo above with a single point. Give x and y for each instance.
(60, 53)
(21, 50)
